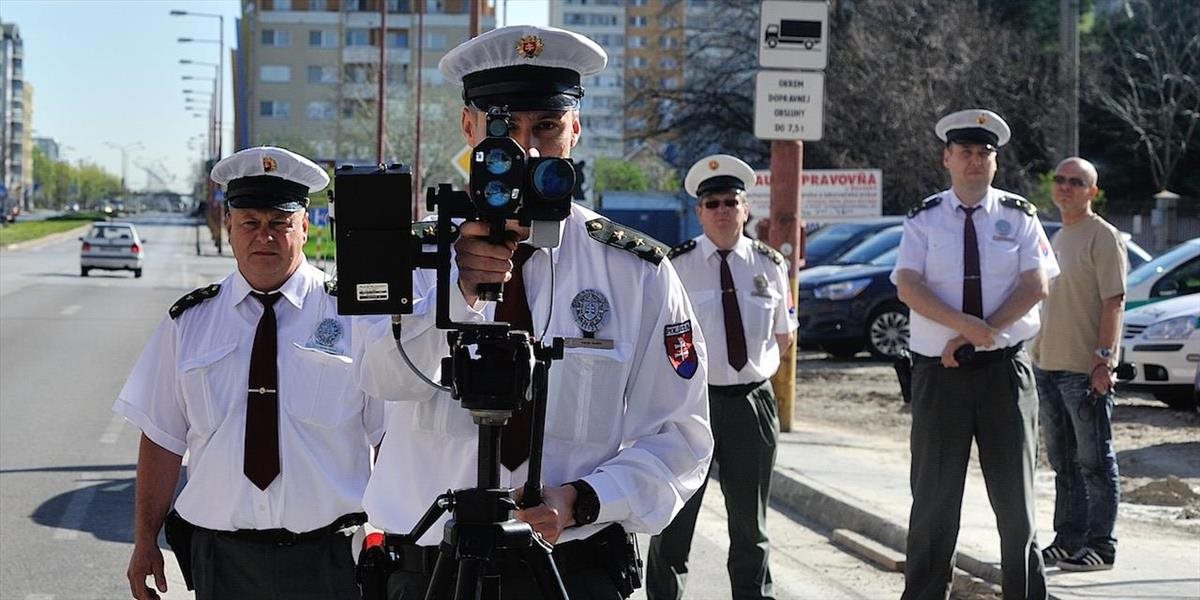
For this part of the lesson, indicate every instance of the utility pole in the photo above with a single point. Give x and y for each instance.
(381, 112)
(1068, 39)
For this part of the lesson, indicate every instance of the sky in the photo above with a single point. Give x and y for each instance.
(106, 73)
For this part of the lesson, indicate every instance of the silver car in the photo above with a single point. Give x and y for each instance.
(111, 247)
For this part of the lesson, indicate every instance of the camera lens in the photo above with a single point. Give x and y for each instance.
(496, 194)
(498, 161)
(497, 127)
(553, 179)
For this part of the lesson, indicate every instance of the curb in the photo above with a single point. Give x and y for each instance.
(46, 239)
(833, 509)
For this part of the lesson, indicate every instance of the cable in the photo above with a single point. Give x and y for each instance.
(549, 313)
(404, 355)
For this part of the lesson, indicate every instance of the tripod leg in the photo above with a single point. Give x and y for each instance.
(470, 579)
(545, 572)
(439, 582)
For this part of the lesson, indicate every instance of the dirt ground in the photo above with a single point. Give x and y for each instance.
(1158, 449)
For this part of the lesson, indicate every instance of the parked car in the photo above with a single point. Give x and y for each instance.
(831, 241)
(1135, 254)
(845, 309)
(1160, 351)
(1175, 272)
(111, 247)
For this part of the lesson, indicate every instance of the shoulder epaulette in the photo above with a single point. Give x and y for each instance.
(628, 239)
(193, 298)
(425, 232)
(1020, 204)
(768, 252)
(331, 287)
(682, 249)
(929, 202)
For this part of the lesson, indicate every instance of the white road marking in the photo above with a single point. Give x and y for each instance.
(70, 309)
(114, 430)
(72, 519)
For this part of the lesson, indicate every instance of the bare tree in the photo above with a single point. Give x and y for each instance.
(1149, 80)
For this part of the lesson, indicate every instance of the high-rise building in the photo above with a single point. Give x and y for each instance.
(305, 71)
(48, 146)
(16, 101)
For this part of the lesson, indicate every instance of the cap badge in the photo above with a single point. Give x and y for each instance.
(269, 164)
(591, 310)
(981, 119)
(529, 46)
(713, 164)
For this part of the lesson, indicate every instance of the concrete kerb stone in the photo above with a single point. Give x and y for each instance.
(47, 239)
(834, 510)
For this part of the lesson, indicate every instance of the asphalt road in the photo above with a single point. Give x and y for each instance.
(67, 463)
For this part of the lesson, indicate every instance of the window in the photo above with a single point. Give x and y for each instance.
(358, 37)
(397, 39)
(320, 111)
(322, 39)
(668, 83)
(637, 62)
(637, 2)
(667, 42)
(356, 5)
(273, 109)
(637, 21)
(637, 41)
(276, 38)
(357, 73)
(667, 62)
(281, 5)
(587, 19)
(668, 22)
(435, 7)
(318, 5)
(274, 73)
(609, 40)
(322, 74)
(435, 41)
(398, 6)
(397, 73)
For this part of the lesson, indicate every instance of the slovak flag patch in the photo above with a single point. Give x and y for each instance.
(681, 350)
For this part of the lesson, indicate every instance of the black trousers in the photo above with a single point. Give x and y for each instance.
(227, 568)
(745, 425)
(996, 405)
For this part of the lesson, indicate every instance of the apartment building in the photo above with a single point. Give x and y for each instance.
(16, 121)
(305, 70)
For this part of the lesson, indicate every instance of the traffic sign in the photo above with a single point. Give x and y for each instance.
(789, 105)
(793, 34)
(462, 162)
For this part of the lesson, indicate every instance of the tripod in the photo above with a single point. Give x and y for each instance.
(481, 532)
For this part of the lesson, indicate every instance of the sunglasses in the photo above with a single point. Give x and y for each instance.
(715, 204)
(1074, 181)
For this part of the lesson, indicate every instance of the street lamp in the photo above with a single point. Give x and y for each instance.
(125, 149)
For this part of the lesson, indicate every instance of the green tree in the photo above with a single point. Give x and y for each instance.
(614, 174)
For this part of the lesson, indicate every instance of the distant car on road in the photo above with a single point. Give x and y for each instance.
(831, 241)
(111, 247)
(1160, 351)
(1175, 272)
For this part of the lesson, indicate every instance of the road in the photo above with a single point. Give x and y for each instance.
(67, 463)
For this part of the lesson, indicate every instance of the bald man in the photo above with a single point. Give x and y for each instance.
(1074, 356)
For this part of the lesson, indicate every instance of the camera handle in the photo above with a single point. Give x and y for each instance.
(498, 235)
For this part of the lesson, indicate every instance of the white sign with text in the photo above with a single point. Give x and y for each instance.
(789, 105)
(828, 195)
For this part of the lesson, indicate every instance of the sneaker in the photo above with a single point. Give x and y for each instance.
(1087, 559)
(1054, 553)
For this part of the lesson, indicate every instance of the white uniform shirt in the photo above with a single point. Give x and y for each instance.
(1010, 243)
(626, 419)
(187, 392)
(763, 300)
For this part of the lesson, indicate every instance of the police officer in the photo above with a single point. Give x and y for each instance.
(627, 439)
(973, 265)
(252, 377)
(739, 290)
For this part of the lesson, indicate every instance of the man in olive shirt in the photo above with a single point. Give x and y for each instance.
(1073, 356)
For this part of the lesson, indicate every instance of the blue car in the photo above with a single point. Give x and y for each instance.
(832, 241)
(851, 304)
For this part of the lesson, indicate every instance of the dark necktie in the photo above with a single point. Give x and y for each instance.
(260, 462)
(972, 303)
(735, 336)
(514, 441)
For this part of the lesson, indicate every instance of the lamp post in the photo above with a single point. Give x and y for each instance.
(218, 107)
(124, 164)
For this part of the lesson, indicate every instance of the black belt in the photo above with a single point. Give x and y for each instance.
(739, 389)
(283, 537)
(569, 556)
(978, 358)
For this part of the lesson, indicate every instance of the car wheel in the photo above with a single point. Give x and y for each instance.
(1178, 400)
(137, 272)
(887, 332)
(83, 271)
(842, 350)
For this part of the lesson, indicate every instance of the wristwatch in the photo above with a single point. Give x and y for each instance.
(587, 503)
(1105, 353)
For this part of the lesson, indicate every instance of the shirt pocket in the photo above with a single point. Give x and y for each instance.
(1001, 258)
(591, 394)
(944, 260)
(758, 314)
(206, 380)
(322, 392)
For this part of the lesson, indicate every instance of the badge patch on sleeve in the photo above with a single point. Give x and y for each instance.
(681, 351)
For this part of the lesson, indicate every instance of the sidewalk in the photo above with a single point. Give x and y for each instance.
(843, 480)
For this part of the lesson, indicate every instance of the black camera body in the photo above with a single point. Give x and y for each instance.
(373, 233)
(506, 183)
